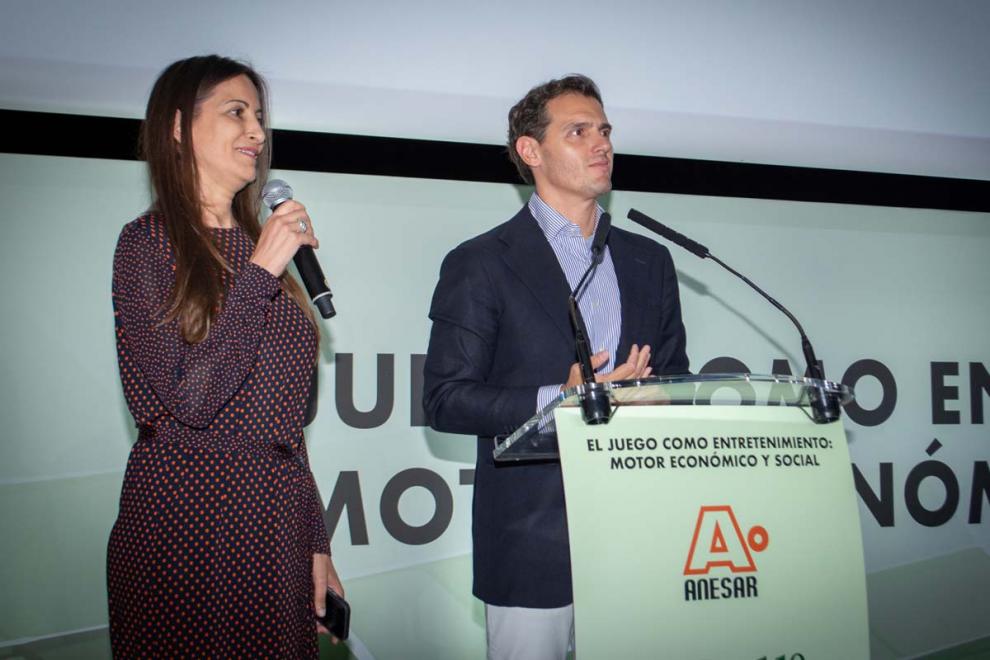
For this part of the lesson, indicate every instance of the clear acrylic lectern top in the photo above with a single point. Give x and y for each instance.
(537, 440)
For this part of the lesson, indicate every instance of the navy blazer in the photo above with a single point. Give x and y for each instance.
(500, 331)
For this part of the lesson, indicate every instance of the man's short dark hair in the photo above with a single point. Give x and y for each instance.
(529, 116)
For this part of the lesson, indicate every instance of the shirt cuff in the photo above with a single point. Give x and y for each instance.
(545, 395)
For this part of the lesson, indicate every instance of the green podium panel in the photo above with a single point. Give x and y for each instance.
(713, 531)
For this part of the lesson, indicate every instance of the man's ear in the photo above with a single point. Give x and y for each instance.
(528, 149)
(177, 126)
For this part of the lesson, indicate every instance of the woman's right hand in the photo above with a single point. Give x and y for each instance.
(281, 237)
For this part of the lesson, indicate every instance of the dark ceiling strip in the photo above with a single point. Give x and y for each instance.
(81, 136)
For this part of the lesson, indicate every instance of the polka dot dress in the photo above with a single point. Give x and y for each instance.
(211, 553)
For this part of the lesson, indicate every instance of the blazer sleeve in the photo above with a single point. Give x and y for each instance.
(458, 395)
(192, 382)
(670, 351)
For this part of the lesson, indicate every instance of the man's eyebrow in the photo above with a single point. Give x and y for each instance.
(587, 124)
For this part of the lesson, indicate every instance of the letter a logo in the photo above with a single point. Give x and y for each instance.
(718, 541)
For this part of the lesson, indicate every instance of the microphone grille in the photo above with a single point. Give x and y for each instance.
(275, 192)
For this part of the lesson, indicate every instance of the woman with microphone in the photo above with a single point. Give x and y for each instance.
(219, 548)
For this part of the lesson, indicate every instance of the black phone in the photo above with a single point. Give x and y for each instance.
(338, 617)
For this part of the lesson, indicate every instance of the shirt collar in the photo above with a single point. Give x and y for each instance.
(552, 223)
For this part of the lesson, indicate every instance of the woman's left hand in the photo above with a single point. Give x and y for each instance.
(324, 575)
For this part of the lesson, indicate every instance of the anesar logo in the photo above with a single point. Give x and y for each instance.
(718, 545)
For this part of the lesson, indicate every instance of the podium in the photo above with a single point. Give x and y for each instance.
(712, 517)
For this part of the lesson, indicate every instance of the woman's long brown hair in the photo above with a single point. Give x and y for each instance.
(198, 293)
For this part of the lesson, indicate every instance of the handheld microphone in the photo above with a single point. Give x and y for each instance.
(824, 407)
(596, 408)
(274, 193)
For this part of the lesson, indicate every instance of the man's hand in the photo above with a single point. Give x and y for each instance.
(636, 366)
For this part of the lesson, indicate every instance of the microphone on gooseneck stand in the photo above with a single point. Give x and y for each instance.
(824, 407)
(274, 193)
(596, 408)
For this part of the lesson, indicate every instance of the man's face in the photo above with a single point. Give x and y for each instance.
(574, 160)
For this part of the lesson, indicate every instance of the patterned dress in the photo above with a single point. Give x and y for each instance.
(211, 553)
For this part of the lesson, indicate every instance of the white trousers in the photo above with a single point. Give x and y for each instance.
(527, 633)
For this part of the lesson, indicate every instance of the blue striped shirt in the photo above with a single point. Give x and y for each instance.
(600, 304)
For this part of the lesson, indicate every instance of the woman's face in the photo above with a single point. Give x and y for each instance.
(228, 137)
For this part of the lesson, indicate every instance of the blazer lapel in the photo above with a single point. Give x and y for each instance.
(632, 270)
(529, 256)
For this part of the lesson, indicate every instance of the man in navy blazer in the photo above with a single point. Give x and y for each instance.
(502, 346)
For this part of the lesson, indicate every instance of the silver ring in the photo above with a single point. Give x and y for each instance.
(302, 226)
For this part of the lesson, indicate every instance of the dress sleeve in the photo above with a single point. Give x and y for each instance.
(321, 541)
(191, 381)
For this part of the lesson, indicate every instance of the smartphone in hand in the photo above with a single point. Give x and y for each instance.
(338, 617)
